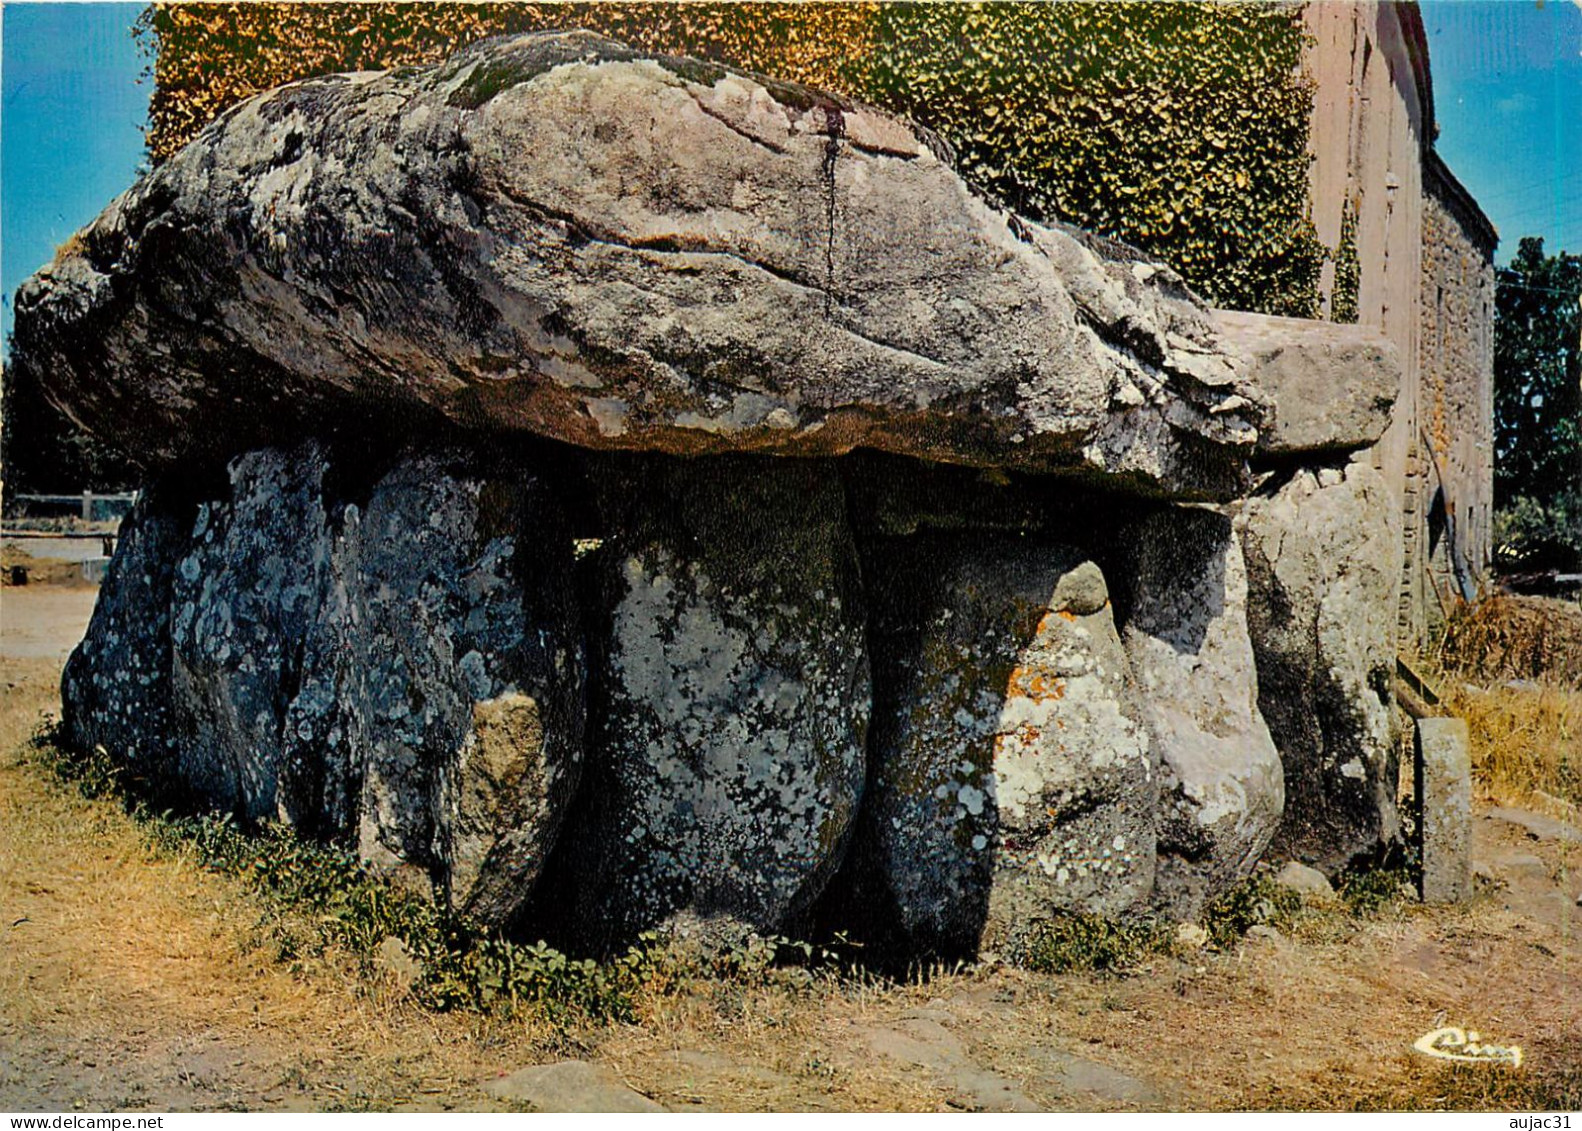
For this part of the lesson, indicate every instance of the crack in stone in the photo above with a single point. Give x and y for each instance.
(835, 127)
(735, 129)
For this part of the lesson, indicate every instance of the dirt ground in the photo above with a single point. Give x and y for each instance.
(131, 979)
(43, 621)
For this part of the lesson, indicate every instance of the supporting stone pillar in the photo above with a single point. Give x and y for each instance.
(1223, 787)
(1323, 560)
(1013, 774)
(1444, 798)
(730, 701)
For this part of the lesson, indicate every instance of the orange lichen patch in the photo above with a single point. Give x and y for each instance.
(1036, 684)
(1022, 739)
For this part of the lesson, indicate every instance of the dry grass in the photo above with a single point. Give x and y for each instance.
(1513, 669)
(1526, 741)
(1508, 637)
(73, 244)
(31, 691)
(118, 952)
(1553, 1082)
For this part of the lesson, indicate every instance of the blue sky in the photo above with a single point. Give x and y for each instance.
(1507, 87)
(70, 137)
(1508, 97)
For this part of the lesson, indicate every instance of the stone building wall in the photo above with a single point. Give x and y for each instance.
(1423, 275)
(1457, 391)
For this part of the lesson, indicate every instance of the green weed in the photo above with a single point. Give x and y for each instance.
(1369, 891)
(1255, 902)
(1091, 942)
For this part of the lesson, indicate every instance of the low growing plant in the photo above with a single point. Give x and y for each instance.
(1092, 942)
(93, 775)
(1255, 902)
(1368, 891)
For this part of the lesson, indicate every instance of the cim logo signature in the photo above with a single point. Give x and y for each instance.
(1467, 1046)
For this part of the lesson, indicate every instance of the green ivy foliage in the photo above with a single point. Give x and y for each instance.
(1348, 269)
(1180, 128)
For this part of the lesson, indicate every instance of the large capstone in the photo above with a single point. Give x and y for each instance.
(1223, 790)
(730, 701)
(692, 260)
(388, 658)
(1323, 556)
(1012, 773)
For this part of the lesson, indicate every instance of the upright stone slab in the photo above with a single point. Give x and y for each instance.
(439, 723)
(730, 700)
(1223, 789)
(1012, 774)
(115, 692)
(245, 595)
(1323, 550)
(1444, 796)
(387, 657)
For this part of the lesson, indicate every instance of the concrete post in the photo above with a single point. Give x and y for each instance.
(1444, 798)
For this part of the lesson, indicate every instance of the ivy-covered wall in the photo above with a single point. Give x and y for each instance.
(1181, 128)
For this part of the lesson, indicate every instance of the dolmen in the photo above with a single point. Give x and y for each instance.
(614, 493)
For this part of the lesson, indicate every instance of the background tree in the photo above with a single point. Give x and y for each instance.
(1538, 406)
(43, 452)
